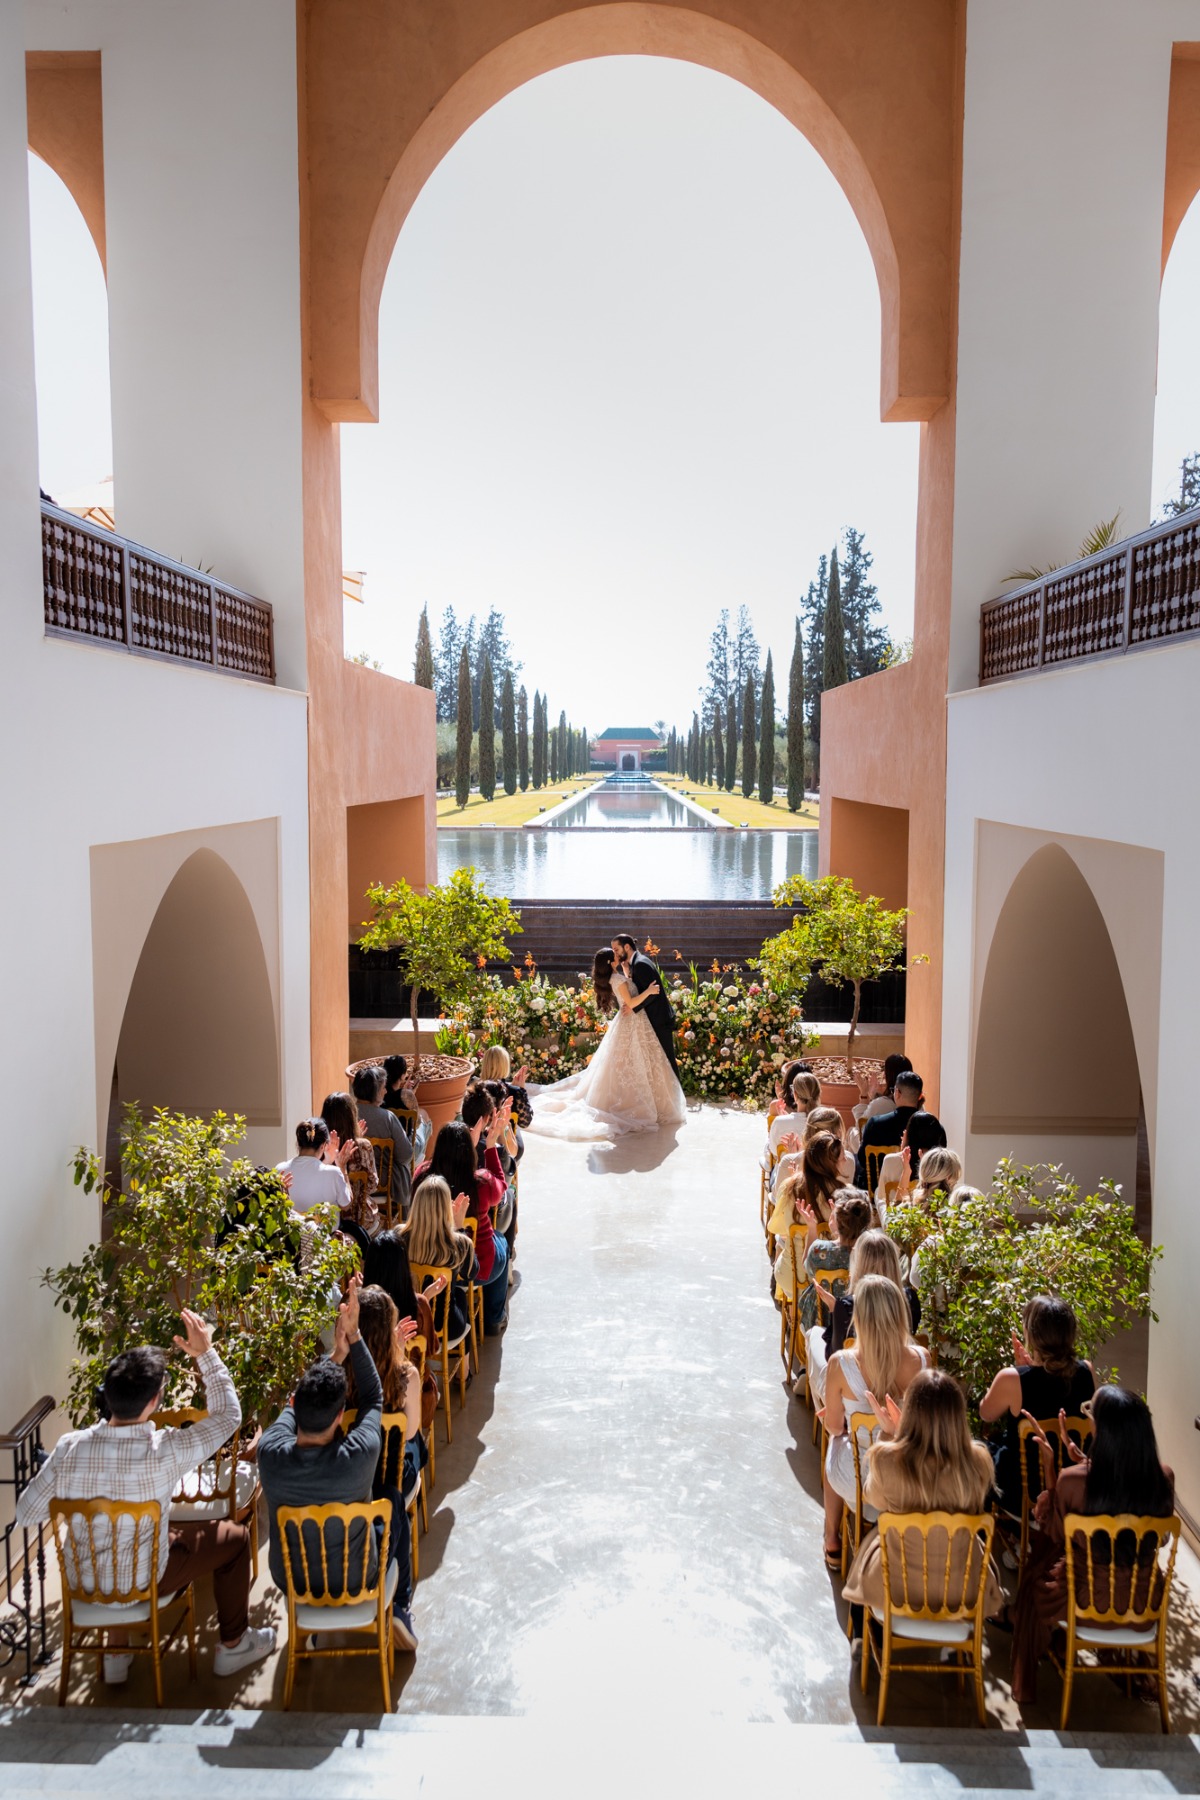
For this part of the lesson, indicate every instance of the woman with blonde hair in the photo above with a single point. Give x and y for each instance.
(433, 1235)
(801, 1097)
(874, 1253)
(883, 1362)
(924, 1461)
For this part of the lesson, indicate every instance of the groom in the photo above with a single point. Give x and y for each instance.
(638, 969)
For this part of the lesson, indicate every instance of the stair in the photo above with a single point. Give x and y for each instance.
(276, 1756)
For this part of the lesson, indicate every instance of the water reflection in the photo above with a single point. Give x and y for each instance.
(628, 806)
(630, 864)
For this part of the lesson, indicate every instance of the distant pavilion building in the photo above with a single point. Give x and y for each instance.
(624, 746)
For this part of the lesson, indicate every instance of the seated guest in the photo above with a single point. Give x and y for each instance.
(306, 1459)
(369, 1085)
(813, 1190)
(345, 1127)
(386, 1336)
(906, 1123)
(850, 1218)
(125, 1457)
(454, 1159)
(317, 1169)
(874, 1253)
(882, 1363)
(883, 1099)
(1122, 1474)
(495, 1065)
(938, 1174)
(803, 1095)
(925, 1460)
(386, 1266)
(1045, 1378)
(433, 1235)
(821, 1118)
(783, 1088)
(398, 1094)
(506, 1152)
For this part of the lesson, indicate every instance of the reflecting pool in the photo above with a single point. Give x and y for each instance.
(630, 863)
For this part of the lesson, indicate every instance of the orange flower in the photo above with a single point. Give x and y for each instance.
(650, 947)
(481, 962)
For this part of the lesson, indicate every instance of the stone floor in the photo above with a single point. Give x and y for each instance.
(627, 1527)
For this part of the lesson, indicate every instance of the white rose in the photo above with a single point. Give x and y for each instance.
(731, 993)
(537, 1006)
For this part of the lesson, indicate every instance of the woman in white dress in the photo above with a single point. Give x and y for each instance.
(627, 1086)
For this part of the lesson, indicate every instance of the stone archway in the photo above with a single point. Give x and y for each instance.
(199, 1031)
(629, 762)
(1055, 1070)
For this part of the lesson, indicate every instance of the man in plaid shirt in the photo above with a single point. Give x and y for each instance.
(125, 1457)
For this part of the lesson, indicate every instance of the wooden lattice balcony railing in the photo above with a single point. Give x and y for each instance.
(1136, 594)
(102, 588)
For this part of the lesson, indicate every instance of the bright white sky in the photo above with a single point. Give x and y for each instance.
(629, 374)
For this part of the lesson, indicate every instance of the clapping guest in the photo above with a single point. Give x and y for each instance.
(433, 1236)
(307, 1459)
(317, 1170)
(386, 1336)
(1122, 1474)
(398, 1093)
(454, 1159)
(803, 1095)
(813, 1188)
(907, 1123)
(1045, 1377)
(387, 1266)
(883, 1099)
(345, 1127)
(883, 1362)
(924, 1460)
(369, 1085)
(874, 1253)
(782, 1101)
(850, 1218)
(821, 1118)
(496, 1065)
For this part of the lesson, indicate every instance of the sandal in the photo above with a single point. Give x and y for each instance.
(833, 1559)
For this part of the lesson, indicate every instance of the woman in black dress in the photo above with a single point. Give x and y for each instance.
(1045, 1378)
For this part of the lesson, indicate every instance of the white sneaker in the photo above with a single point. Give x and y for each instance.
(116, 1667)
(253, 1647)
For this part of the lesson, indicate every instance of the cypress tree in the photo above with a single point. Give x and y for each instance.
(539, 761)
(462, 765)
(487, 731)
(563, 747)
(718, 749)
(836, 671)
(795, 726)
(766, 737)
(423, 658)
(585, 752)
(547, 776)
(508, 733)
(523, 739)
(730, 742)
(708, 759)
(749, 758)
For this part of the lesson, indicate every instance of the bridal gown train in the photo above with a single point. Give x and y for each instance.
(627, 1086)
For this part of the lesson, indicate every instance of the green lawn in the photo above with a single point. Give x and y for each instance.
(509, 809)
(740, 811)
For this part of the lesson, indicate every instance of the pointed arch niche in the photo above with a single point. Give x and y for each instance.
(1069, 936)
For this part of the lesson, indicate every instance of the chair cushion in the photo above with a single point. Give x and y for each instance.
(358, 1616)
(95, 1612)
(245, 1488)
(931, 1631)
(1122, 1637)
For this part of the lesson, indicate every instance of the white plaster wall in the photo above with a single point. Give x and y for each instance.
(1099, 758)
(98, 748)
(202, 207)
(1064, 144)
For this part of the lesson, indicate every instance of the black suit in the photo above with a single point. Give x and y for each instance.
(925, 1132)
(643, 974)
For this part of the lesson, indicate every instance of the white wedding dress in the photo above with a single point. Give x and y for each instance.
(628, 1086)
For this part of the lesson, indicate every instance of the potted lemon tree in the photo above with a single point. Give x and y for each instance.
(442, 938)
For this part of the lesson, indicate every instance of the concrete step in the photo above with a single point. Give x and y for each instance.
(275, 1755)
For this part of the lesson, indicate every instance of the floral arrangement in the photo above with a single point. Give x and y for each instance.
(731, 1036)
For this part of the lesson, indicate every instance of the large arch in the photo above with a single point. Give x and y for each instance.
(874, 92)
(65, 113)
(1055, 1072)
(1182, 182)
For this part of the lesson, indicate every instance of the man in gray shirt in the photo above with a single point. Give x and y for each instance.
(307, 1459)
(369, 1088)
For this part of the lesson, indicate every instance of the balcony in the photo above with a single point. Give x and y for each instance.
(104, 590)
(1141, 592)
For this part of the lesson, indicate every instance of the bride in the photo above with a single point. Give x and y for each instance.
(627, 1086)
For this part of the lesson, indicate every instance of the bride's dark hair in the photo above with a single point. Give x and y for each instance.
(602, 968)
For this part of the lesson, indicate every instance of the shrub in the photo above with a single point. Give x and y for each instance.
(981, 1261)
(197, 1230)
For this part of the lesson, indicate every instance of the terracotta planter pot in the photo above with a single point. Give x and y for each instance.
(844, 1096)
(442, 1097)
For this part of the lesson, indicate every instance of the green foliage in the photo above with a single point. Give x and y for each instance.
(266, 1286)
(766, 736)
(487, 733)
(523, 740)
(508, 735)
(749, 747)
(443, 936)
(539, 754)
(1101, 537)
(836, 670)
(1188, 496)
(795, 725)
(462, 764)
(731, 741)
(454, 1040)
(848, 936)
(982, 1259)
(423, 656)
(731, 1038)
(718, 740)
